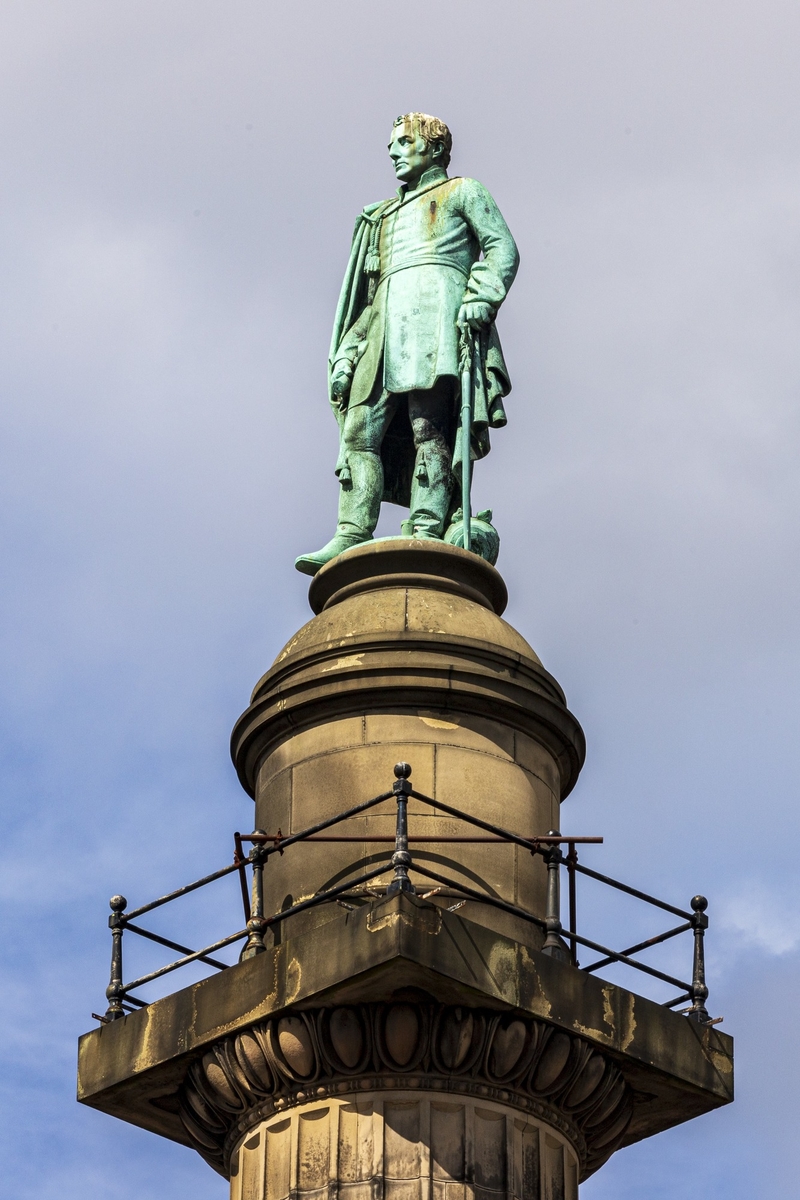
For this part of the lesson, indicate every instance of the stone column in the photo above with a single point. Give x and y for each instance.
(404, 1145)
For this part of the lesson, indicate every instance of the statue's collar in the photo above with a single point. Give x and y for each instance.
(434, 177)
(428, 179)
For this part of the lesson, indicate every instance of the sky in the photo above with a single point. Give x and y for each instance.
(179, 186)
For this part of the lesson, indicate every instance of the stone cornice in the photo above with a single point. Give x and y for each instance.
(307, 1055)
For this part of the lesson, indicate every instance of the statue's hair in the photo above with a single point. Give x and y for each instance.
(432, 130)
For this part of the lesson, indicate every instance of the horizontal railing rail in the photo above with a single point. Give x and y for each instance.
(560, 943)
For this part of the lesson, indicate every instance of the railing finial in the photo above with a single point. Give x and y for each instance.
(698, 1011)
(256, 926)
(401, 859)
(114, 992)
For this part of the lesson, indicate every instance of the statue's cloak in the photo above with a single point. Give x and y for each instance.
(374, 326)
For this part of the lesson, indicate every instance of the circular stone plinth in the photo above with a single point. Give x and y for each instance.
(408, 562)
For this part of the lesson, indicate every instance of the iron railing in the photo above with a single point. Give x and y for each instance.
(560, 943)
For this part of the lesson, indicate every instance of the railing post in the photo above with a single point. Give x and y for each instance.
(401, 859)
(554, 944)
(114, 993)
(698, 1011)
(256, 924)
(572, 858)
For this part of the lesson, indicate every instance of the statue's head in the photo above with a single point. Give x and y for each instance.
(418, 143)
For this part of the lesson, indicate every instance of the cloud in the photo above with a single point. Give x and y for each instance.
(761, 915)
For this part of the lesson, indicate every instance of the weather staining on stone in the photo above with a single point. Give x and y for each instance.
(463, 1055)
(428, 271)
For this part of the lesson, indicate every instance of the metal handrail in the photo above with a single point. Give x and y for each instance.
(560, 943)
(653, 941)
(624, 887)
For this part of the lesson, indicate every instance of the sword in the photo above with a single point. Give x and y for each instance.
(469, 363)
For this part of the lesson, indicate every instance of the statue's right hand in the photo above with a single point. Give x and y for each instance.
(340, 384)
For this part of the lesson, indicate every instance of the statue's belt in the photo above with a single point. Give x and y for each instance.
(430, 260)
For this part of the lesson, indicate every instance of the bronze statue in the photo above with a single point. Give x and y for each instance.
(415, 347)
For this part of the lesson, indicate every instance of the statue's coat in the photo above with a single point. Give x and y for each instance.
(397, 325)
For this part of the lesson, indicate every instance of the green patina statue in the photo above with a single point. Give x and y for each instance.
(416, 371)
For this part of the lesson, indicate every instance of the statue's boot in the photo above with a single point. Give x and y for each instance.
(430, 490)
(359, 508)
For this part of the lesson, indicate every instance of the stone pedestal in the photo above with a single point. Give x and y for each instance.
(408, 660)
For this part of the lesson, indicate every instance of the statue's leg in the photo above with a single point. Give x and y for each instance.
(431, 414)
(360, 495)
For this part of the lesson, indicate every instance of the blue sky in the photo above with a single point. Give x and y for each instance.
(179, 187)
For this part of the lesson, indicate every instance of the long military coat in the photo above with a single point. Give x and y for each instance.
(415, 260)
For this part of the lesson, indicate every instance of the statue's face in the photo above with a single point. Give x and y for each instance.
(411, 155)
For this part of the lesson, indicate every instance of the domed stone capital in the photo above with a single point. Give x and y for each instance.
(404, 628)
